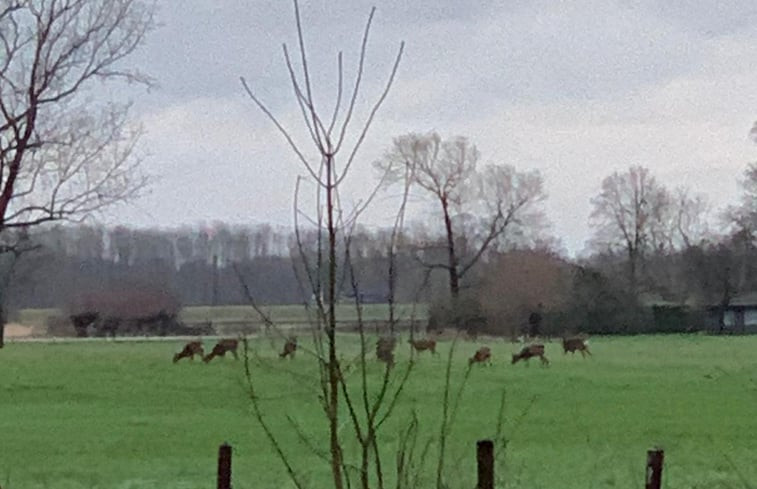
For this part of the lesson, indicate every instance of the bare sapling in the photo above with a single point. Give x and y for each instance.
(327, 169)
(356, 407)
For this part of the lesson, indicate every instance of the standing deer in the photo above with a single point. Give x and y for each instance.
(483, 354)
(190, 350)
(535, 350)
(573, 344)
(221, 348)
(289, 348)
(385, 350)
(421, 345)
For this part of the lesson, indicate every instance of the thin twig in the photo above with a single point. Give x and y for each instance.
(261, 420)
(372, 115)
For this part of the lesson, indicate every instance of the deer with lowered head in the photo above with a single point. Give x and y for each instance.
(422, 345)
(534, 350)
(220, 349)
(290, 347)
(483, 354)
(190, 350)
(575, 344)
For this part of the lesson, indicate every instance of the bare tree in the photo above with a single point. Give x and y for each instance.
(499, 197)
(691, 218)
(743, 217)
(629, 215)
(328, 171)
(680, 225)
(63, 157)
(345, 387)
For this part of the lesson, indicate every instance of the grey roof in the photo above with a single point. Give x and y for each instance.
(745, 299)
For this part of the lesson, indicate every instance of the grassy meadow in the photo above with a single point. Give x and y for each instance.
(120, 415)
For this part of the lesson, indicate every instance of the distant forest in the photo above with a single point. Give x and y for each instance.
(196, 265)
(202, 266)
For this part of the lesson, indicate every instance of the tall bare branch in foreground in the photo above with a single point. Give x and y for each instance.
(328, 171)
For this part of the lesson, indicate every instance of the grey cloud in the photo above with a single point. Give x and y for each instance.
(479, 50)
(706, 18)
(577, 89)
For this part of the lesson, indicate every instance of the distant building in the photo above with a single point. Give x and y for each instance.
(739, 316)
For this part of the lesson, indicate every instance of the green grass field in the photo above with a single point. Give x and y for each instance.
(121, 415)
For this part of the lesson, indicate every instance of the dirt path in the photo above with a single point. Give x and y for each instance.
(14, 330)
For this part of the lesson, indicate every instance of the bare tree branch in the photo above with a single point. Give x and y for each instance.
(330, 219)
(281, 129)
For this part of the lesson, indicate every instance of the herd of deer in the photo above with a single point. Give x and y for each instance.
(224, 346)
(385, 350)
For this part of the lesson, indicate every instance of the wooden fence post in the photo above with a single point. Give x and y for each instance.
(224, 466)
(654, 468)
(485, 460)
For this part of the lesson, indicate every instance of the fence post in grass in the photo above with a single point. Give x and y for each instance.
(224, 466)
(654, 468)
(485, 461)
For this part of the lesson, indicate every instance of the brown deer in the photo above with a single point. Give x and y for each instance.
(421, 345)
(573, 344)
(385, 350)
(289, 348)
(535, 350)
(221, 348)
(483, 354)
(190, 350)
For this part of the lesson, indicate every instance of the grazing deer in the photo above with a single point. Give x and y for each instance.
(289, 347)
(573, 344)
(483, 354)
(190, 350)
(221, 348)
(421, 345)
(385, 350)
(535, 350)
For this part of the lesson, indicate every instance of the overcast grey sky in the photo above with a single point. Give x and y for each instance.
(575, 89)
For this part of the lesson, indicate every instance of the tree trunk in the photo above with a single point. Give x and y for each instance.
(333, 368)
(632, 258)
(725, 301)
(454, 278)
(2, 323)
